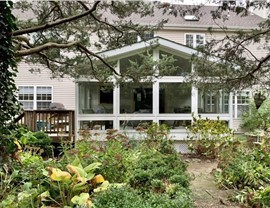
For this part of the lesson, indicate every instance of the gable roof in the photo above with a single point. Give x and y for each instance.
(160, 42)
(205, 20)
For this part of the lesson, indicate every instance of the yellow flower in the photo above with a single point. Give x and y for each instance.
(98, 179)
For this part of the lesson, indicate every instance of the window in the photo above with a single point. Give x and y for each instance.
(95, 98)
(35, 97)
(181, 94)
(146, 36)
(212, 101)
(136, 98)
(195, 40)
(241, 103)
(182, 65)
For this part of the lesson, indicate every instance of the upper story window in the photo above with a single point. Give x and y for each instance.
(146, 36)
(35, 97)
(194, 40)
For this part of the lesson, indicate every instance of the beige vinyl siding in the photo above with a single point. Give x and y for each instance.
(179, 37)
(63, 88)
(237, 125)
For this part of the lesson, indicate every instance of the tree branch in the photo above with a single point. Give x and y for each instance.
(265, 59)
(104, 22)
(44, 47)
(55, 23)
(97, 56)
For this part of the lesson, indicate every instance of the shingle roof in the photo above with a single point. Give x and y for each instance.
(205, 19)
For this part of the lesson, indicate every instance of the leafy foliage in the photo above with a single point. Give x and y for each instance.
(245, 168)
(127, 197)
(67, 35)
(8, 102)
(150, 173)
(208, 136)
(257, 119)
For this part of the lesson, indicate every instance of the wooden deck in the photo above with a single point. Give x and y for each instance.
(58, 124)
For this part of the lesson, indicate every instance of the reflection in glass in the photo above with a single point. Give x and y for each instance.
(176, 124)
(213, 101)
(183, 65)
(136, 98)
(134, 124)
(95, 125)
(95, 98)
(174, 98)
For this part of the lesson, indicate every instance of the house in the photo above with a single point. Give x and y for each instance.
(169, 99)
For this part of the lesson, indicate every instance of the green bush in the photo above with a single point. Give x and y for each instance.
(156, 172)
(247, 169)
(257, 118)
(207, 136)
(127, 197)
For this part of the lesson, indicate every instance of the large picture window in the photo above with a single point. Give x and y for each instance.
(95, 98)
(136, 98)
(174, 98)
(35, 97)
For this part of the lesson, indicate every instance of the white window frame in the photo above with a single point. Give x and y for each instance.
(35, 100)
(235, 103)
(194, 45)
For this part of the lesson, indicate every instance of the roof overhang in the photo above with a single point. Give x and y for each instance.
(156, 42)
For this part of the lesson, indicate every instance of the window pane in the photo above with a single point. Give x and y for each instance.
(213, 102)
(26, 90)
(44, 93)
(199, 40)
(134, 124)
(127, 64)
(183, 65)
(174, 98)
(243, 99)
(189, 40)
(176, 124)
(95, 98)
(44, 90)
(26, 97)
(43, 105)
(96, 125)
(27, 105)
(135, 98)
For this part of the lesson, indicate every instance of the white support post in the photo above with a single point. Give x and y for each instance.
(194, 101)
(116, 101)
(231, 110)
(155, 88)
(76, 112)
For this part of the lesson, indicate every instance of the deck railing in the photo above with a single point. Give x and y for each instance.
(58, 124)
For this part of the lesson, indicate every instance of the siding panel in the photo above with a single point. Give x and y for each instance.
(63, 88)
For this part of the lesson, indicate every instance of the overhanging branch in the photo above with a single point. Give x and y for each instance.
(46, 46)
(55, 23)
(98, 57)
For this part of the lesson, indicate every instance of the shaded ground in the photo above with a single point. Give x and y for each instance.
(205, 191)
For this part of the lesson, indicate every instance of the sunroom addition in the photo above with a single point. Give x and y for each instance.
(169, 99)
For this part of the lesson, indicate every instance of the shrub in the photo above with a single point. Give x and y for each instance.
(247, 169)
(206, 136)
(128, 197)
(156, 172)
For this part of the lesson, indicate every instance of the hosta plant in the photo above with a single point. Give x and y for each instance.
(73, 186)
